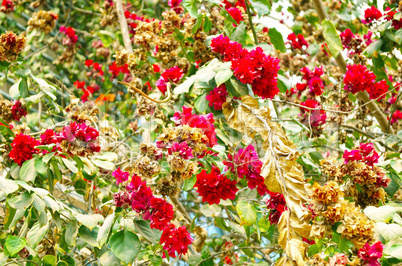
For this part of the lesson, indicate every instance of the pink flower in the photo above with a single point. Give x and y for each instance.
(236, 14)
(217, 97)
(338, 259)
(120, 176)
(18, 110)
(371, 254)
(181, 149)
(314, 118)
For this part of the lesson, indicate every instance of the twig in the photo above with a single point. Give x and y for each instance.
(87, 11)
(146, 96)
(250, 20)
(123, 26)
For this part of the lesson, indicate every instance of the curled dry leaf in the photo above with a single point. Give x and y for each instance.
(280, 170)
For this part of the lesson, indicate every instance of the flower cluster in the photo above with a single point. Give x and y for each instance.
(72, 37)
(250, 67)
(115, 70)
(79, 139)
(315, 118)
(89, 90)
(203, 122)
(277, 204)
(175, 240)
(23, 148)
(140, 198)
(43, 20)
(355, 43)
(11, 45)
(297, 41)
(95, 69)
(174, 4)
(358, 78)
(397, 115)
(18, 110)
(396, 23)
(236, 14)
(371, 254)
(371, 14)
(217, 97)
(366, 153)
(173, 74)
(313, 81)
(214, 186)
(7, 6)
(247, 165)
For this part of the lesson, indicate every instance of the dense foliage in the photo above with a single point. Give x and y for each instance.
(200, 132)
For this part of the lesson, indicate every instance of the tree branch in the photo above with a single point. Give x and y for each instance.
(123, 26)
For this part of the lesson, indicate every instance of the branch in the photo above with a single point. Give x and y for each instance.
(363, 95)
(250, 20)
(123, 26)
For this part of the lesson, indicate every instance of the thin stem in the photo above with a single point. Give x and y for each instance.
(250, 20)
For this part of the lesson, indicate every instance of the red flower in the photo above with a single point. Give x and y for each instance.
(371, 254)
(297, 42)
(175, 240)
(396, 116)
(378, 90)
(371, 14)
(23, 148)
(181, 149)
(316, 117)
(236, 14)
(161, 213)
(358, 78)
(174, 3)
(247, 165)
(120, 176)
(156, 67)
(277, 204)
(217, 97)
(140, 194)
(81, 132)
(173, 74)
(396, 23)
(313, 79)
(366, 153)
(18, 110)
(79, 84)
(89, 62)
(49, 137)
(214, 186)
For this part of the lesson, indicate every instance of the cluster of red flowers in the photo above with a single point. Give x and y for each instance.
(354, 42)
(7, 6)
(313, 81)
(396, 116)
(173, 74)
(371, 254)
(314, 118)
(115, 70)
(132, 18)
(277, 204)
(358, 78)
(247, 165)
(89, 90)
(396, 22)
(174, 4)
(96, 70)
(141, 199)
(297, 41)
(217, 97)
(371, 14)
(236, 14)
(18, 110)
(181, 149)
(175, 240)
(70, 32)
(203, 122)
(23, 148)
(81, 132)
(214, 186)
(250, 67)
(365, 153)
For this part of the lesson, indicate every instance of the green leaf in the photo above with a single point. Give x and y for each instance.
(331, 36)
(211, 210)
(198, 23)
(87, 220)
(380, 214)
(40, 166)
(14, 244)
(207, 24)
(109, 259)
(261, 6)
(145, 230)
(277, 39)
(28, 172)
(22, 73)
(236, 88)
(23, 88)
(189, 183)
(247, 213)
(316, 157)
(240, 33)
(125, 245)
(283, 83)
(36, 234)
(105, 229)
(49, 260)
(396, 165)
(191, 7)
(389, 231)
(70, 165)
(344, 245)
(21, 202)
(8, 186)
(374, 47)
(201, 103)
(89, 235)
(223, 76)
(71, 232)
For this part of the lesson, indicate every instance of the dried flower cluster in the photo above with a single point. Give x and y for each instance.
(43, 20)
(11, 45)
